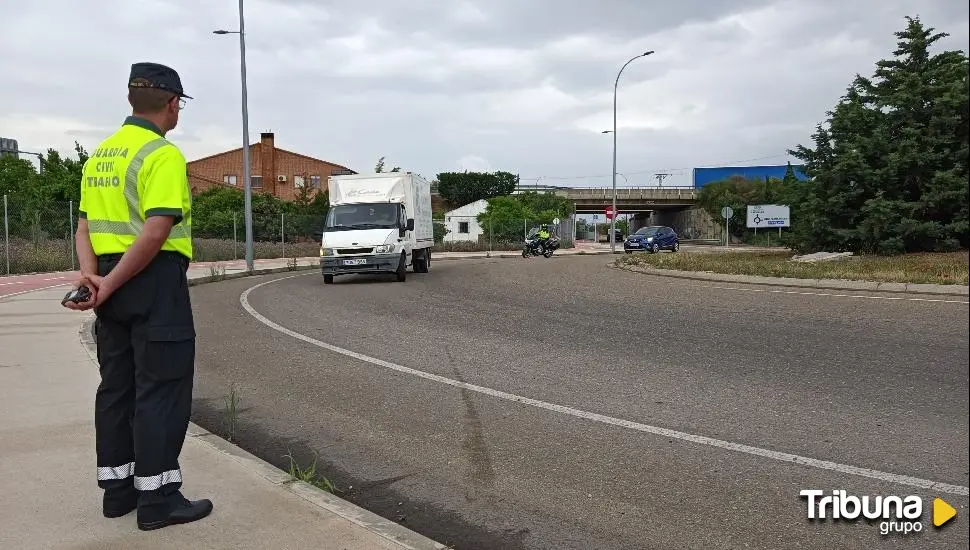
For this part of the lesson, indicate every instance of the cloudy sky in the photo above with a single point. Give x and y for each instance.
(441, 85)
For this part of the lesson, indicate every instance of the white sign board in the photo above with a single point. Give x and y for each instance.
(596, 216)
(769, 215)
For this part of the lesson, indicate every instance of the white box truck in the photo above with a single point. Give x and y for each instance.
(377, 223)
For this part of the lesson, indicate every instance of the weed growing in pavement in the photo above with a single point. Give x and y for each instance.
(309, 474)
(217, 272)
(291, 264)
(231, 401)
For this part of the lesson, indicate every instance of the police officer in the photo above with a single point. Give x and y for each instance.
(134, 244)
(543, 236)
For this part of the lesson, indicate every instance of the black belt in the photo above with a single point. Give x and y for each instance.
(161, 253)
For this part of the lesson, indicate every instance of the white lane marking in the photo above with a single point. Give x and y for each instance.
(13, 283)
(612, 421)
(2, 296)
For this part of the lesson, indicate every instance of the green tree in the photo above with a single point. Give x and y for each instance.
(509, 216)
(379, 168)
(18, 178)
(890, 164)
(737, 192)
(506, 217)
(39, 203)
(461, 188)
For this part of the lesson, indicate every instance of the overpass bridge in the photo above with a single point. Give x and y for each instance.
(629, 199)
(671, 206)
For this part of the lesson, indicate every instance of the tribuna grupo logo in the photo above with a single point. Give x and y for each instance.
(895, 514)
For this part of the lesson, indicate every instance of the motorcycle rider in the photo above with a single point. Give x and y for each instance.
(543, 236)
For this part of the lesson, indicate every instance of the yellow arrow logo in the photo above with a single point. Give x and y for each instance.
(942, 512)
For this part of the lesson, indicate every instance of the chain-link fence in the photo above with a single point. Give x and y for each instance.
(467, 233)
(39, 236)
(222, 236)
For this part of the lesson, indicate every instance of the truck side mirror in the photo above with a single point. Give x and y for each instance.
(410, 225)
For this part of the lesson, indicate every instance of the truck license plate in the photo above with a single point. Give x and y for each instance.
(358, 261)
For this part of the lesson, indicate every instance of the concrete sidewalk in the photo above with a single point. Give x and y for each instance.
(47, 460)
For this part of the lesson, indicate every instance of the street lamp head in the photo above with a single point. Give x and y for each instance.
(647, 53)
(220, 32)
(607, 132)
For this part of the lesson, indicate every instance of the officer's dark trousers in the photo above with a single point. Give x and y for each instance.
(146, 348)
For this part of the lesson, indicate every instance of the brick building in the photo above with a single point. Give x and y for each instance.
(272, 170)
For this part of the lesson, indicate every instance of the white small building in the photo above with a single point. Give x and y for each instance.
(462, 222)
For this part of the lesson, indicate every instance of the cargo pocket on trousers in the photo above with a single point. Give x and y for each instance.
(170, 352)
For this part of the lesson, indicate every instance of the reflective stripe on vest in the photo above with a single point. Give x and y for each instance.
(133, 227)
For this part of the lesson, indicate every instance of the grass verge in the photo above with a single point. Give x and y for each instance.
(950, 268)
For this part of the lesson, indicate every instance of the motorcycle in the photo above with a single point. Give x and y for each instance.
(534, 247)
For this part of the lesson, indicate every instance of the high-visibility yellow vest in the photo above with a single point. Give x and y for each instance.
(133, 174)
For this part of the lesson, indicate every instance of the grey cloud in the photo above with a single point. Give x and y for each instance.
(447, 80)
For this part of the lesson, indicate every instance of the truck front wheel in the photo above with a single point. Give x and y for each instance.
(328, 279)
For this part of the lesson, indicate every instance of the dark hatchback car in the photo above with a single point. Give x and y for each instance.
(653, 238)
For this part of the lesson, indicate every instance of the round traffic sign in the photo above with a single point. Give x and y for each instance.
(609, 212)
(555, 221)
(727, 212)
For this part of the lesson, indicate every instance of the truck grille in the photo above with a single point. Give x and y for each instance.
(345, 251)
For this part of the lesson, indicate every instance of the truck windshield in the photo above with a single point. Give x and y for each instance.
(348, 217)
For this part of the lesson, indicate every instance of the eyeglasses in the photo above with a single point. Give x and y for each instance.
(181, 102)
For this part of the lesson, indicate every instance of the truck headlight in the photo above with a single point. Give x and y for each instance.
(326, 252)
(384, 249)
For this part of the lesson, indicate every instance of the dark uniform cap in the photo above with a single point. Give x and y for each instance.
(153, 75)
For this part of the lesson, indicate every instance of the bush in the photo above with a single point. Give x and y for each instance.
(39, 256)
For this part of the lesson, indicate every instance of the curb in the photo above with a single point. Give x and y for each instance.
(394, 532)
(819, 284)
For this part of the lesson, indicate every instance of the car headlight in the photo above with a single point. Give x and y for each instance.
(384, 249)
(649, 239)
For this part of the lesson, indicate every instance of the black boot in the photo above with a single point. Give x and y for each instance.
(186, 511)
(119, 501)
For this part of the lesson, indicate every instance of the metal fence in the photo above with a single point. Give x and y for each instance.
(38, 237)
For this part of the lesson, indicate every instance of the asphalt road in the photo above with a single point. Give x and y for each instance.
(873, 383)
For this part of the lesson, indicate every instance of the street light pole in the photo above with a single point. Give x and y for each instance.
(615, 85)
(247, 179)
(40, 160)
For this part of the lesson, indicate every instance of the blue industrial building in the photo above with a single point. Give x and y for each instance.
(703, 176)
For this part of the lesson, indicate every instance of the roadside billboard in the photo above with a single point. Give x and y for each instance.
(768, 215)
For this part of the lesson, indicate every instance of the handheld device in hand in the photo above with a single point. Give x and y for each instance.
(78, 295)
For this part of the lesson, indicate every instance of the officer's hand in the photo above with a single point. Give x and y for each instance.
(94, 280)
(105, 290)
(92, 299)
